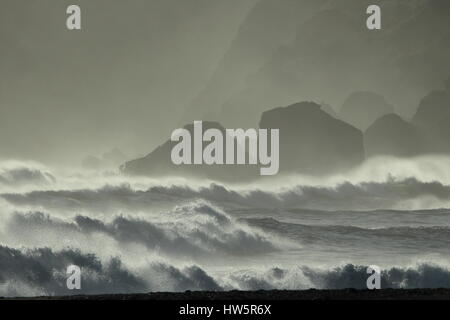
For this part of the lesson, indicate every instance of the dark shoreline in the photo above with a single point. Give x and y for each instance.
(272, 295)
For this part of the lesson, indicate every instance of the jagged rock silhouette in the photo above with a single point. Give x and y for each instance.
(433, 118)
(391, 135)
(312, 141)
(362, 108)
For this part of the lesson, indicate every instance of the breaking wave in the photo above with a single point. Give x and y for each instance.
(191, 231)
(43, 272)
(138, 234)
(408, 194)
(17, 174)
(343, 277)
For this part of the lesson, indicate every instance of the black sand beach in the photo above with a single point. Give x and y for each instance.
(274, 295)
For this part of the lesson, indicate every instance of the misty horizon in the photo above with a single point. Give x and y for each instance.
(81, 94)
(135, 138)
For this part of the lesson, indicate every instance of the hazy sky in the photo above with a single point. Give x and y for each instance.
(140, 68)
(119, 82)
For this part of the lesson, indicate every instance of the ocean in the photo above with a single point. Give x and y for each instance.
(133, 235)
